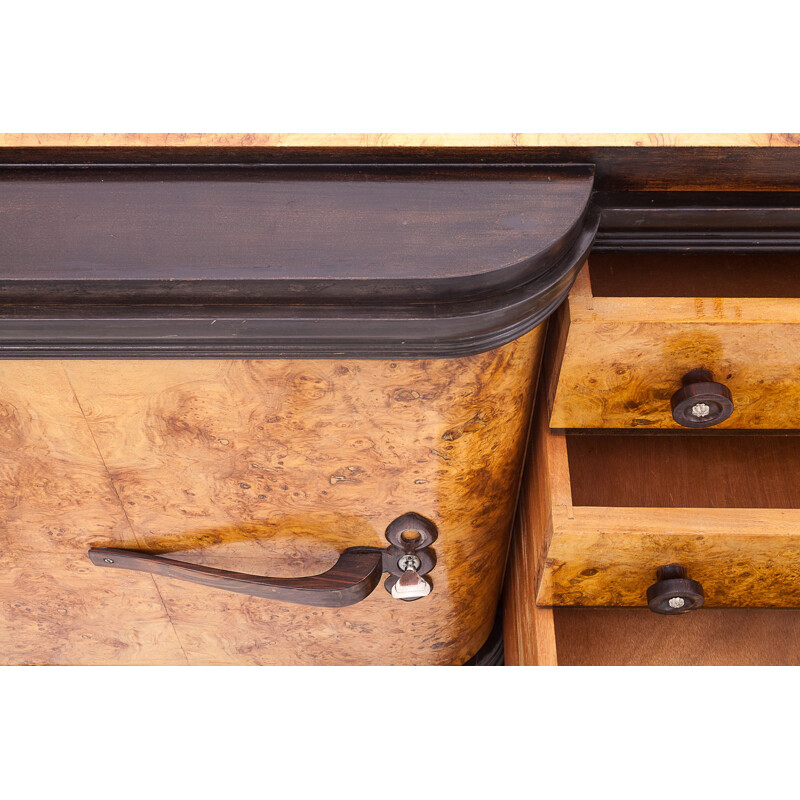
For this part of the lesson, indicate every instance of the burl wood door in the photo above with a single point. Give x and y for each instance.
(268, 467)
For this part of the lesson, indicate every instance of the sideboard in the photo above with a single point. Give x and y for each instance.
(399, 399)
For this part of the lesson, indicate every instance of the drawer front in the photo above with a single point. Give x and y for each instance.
(610, 556)
(266, 467)
(622, 362)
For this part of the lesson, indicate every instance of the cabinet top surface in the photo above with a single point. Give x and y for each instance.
(469, 140)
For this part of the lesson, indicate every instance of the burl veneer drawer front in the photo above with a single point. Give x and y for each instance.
(675, 342)
(611, 509)
(269, 415)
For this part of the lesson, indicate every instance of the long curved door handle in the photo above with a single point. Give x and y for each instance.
(353, 577)
(357, 572)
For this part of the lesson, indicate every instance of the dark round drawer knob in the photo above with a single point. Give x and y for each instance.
(701, 402)
(674, 592)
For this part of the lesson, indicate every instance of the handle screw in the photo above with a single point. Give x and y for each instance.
(408, 562)
(109, 560)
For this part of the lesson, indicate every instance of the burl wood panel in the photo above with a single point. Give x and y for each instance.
(713, 637)
(55, 494)
(609, 556)
(56, 499)
(399, 139)
(58, 608)
(625, 357)
(271, 467)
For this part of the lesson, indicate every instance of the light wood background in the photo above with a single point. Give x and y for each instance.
(399, 139)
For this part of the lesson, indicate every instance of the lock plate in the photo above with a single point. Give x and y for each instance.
(409, 557)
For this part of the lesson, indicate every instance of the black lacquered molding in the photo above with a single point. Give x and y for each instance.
(674, 222)
(287, 261)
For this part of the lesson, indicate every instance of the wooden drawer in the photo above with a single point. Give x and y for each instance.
(605, 510)
(635, 325)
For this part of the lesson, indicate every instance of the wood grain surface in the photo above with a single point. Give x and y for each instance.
(604, 553)
(609, 556)
(618, 506)
(270, 261)
(399, 139)
(710, 637)
(624, 357)
(57, 608)
(268, 467)
(308, 233)
(55, 493)
(528, 632)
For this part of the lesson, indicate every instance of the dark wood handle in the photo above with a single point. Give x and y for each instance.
(351, 579)
(674, 592)
(701, 402)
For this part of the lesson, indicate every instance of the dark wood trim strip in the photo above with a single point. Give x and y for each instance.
(47, 321)
(642, 168)
(671, 222)
(435, 331)
(103, 299)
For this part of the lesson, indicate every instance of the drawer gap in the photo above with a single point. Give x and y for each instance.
(684, 471)
(695, 274)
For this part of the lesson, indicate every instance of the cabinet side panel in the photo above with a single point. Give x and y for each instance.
(529, 636)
